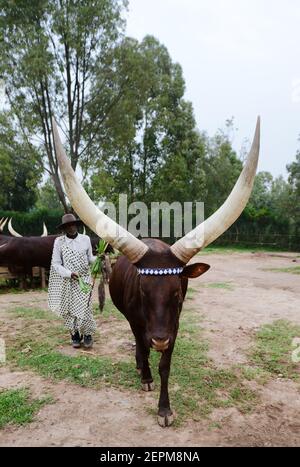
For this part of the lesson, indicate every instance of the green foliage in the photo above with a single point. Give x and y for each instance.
(47, 197)
(294, 200)
(31, 223)
(150, 133)
(49, 56)
(222, 168)
(20, 170)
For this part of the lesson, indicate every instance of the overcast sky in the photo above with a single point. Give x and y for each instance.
(239, 58)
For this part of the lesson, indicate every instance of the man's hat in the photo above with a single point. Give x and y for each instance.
(68, 219)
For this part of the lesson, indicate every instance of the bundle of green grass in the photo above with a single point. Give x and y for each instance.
(96, 269)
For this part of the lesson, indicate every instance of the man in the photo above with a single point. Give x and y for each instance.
(71, 257)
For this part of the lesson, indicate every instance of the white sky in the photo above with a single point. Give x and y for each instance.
(240, 58)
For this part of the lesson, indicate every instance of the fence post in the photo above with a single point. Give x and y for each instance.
(43, 278)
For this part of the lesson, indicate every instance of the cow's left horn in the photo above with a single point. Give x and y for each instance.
(226, 215)
(90, 215)
(2, 223)
(12, 230)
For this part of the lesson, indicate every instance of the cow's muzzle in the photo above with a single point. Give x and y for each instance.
(160, 344)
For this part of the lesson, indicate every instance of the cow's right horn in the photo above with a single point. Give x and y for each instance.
(12, 230)
(45, 231)
(90, 215)
(227, 214)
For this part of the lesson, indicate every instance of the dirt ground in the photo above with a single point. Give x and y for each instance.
(110, 417)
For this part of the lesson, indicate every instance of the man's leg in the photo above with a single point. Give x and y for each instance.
(88, 328)
(71, 324)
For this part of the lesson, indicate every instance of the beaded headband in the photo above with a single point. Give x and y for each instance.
(159, 271)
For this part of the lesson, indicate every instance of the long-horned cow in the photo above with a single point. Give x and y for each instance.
(20, 254)
(148, 284)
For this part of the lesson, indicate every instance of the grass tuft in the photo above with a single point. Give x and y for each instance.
(16, 406)
(291, 270)
(273, 348)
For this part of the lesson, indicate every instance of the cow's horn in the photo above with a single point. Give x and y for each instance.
(95, 219)
(45, 231)
(2, 223)
(226, 215)
(12, 230)
(84, 231)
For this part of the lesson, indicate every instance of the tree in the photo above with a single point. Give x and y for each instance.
(47, 197)
(150, 134)
(19, 174)
(48, 61)
(294, 180)
(222, 167)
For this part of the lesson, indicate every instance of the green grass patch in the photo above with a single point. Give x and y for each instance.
(190, 293)
(291, 270)
(32, 313)
(87, 371)
(273, 348)
(4, 290)
(16, 406)
(219, 285)
(227, 250)
(108, 311)
(254, 373)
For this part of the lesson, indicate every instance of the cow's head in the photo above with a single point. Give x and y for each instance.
(162, 287)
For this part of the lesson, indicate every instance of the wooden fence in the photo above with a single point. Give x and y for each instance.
(5, 274)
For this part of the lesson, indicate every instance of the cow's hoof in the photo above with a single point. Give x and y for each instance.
(167, 420)
(148, 387)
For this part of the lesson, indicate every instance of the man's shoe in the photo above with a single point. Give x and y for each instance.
(87, 342)
(76, 339)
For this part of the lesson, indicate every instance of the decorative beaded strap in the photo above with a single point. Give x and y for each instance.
(159, 271)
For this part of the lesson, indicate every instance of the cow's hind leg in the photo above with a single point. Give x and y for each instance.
(142, 365)
(165, 415)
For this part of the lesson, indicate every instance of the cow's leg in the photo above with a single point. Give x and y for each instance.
(142, 365)
(138, 358)
(165, 416)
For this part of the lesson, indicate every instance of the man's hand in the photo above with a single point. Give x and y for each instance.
(74, 275)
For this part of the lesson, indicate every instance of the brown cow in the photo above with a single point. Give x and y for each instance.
(149, 282)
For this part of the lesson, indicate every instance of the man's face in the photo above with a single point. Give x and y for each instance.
(70, 229)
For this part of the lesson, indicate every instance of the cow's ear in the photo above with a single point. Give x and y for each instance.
(195, 270)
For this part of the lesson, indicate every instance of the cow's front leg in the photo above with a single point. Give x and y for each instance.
(165, 416)
(142, 364)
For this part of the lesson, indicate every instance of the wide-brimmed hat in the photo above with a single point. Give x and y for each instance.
(68, 219)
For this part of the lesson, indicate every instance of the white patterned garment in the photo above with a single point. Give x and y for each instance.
(64, 295)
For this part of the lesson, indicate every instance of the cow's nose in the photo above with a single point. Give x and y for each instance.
(160, 344)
